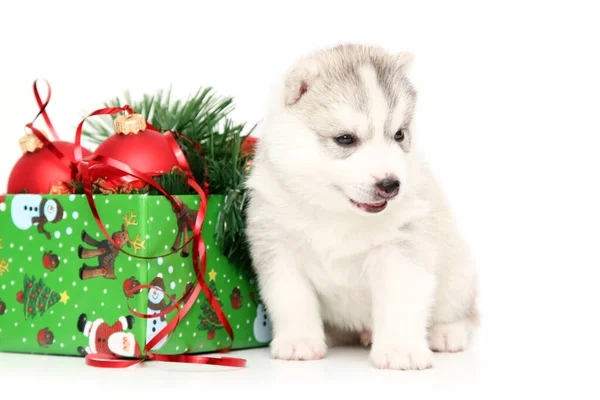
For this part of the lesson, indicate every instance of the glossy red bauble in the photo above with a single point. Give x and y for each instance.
(147, 151)
(41, 172)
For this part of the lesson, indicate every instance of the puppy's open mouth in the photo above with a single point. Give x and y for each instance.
(371, 207)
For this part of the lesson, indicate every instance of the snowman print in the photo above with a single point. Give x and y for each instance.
(156, 304)
(262, 325)
(27, 210)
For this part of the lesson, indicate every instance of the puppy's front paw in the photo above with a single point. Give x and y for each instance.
(298, 349)
(449, 337)
(405, 357)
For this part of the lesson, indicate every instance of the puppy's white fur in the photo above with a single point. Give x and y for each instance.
(329, 271)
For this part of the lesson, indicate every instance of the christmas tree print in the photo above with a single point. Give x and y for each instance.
(37, 297)
(208, 318)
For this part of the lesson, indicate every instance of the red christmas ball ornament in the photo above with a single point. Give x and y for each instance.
(137, 146)
(39, 170)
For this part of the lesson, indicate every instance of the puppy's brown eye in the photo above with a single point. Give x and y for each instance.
(345, 140)
(399, 136)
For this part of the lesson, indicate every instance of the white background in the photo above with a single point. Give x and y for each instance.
(509, 99)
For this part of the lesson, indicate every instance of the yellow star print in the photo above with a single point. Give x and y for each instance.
(212, 275)
(64, 297)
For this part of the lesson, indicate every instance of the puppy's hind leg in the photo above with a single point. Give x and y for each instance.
(455, 315)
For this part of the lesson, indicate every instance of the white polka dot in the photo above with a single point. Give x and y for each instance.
(210, 222)
(105, 291)
(41, 248)
(60, 245)
(72, 197)
(130, 197)
(107, 226)
(194, 334)
(24, 340)
(120, 269)
(247, 321)
(45, 274)
(75, 215)
(218, 259)
(75, 306)
(85, 288)
(29, 258)
(12, 283)
(102, 304)
(160, 261)
(172, 285)
(3, 287)
(174, 231)
(118, 211)
(60, 279)
(97, 234)
(10, 260)
(74, 338)
(30, 237)
(170, 269)
(62, 345)
(72, 248)
(33, 325)
(57, 234)
(85, 223)
(74, 283)
(16, 324)
(168, 218)
(12, 245)
(129, 258)
(65, 260)
(181, 335)
(188, 323)
(59, 324)
(151, 218)
(118, 306)
(21, 270)
(106, 201)
(160, 232)
(2, 206)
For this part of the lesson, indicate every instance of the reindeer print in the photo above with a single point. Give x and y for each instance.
(185, 224)
(106, 252)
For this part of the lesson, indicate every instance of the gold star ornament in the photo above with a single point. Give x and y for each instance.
(64, 297)
(212, 274)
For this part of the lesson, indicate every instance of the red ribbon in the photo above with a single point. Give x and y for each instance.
(198, 251)
(43, 106)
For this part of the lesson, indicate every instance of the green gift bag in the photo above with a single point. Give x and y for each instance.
(63, 286)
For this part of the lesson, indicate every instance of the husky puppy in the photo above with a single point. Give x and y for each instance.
(350, 234)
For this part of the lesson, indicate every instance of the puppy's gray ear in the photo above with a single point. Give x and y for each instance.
(300, 80)
(405, 60)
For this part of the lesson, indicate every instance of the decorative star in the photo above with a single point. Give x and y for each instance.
(212, 274)
(64, 297)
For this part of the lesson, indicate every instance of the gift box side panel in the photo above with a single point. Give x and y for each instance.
(200, 331)
(62, 284)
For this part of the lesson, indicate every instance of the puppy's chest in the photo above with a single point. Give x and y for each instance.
(334, 261)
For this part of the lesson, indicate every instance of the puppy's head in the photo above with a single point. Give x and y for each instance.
(340, 134)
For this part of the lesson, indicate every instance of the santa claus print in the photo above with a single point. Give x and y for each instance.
(109, 339)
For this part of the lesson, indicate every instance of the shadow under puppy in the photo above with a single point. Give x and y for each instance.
(349, 230)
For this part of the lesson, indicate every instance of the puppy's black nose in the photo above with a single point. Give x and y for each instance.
(388, 187)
